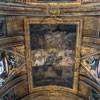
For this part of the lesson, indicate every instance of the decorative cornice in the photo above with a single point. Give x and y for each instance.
(91, 42)
(12, 84)
(34, 1)
(39, 10)
(90, 83)
(11, 41)
(90, 1)
(43, 12)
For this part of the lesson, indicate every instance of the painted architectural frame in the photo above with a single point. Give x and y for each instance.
(52, 21)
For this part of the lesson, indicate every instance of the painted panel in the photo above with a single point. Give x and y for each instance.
(2, 26)
(53, 53)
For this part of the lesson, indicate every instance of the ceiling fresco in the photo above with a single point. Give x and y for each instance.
(49, 49)
(53, 53)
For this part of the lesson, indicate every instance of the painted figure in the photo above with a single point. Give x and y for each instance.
(53, 58)
(1, 73)
(94, 65)
(1, 67)
(4, 69)
(12, 61)
(98, 69)
(39, 58)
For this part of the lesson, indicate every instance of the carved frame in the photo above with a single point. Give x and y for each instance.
(53, 20)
